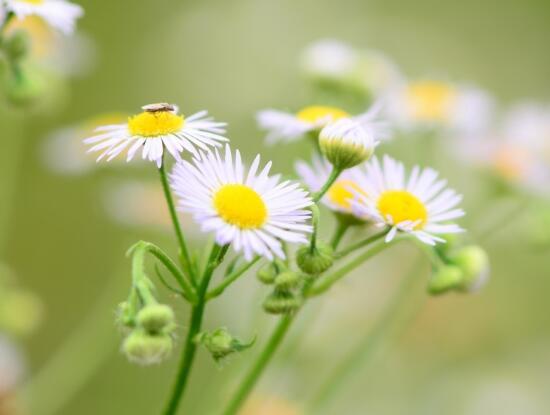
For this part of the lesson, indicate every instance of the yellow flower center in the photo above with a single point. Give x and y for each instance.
(154, 124)
(431, 100)
(33, 1)
(317, 113)
(402, 206)
(241, 206)
(341, 193)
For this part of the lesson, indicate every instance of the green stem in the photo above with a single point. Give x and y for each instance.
(215, 292)
(341, 229)
(367, 346)
(327, 282)
(334, 174)
(254, 374)
(361, 244)
(195, 323)
(186, 259)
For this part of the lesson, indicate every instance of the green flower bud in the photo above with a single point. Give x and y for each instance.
(316, 262)
(220, 343)
(282, 302)
(288, 280)
(145, 349)
(18, 45)
(156, 318)
(124, 315)
(267, 273)
(474, 263)
(445, 278)
(345, 143)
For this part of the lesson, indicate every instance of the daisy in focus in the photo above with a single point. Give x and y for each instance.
(60, 14)
(340, 195)
(158, 128)
(421, 205)
(249, 209)
(432, 103)
(285, 126)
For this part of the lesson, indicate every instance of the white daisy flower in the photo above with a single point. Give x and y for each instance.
(252, 211)
(284, 126)
(429, 103)
(329, 59)
(420, 206)
(157, 128)
(59, 14)
(339, 196)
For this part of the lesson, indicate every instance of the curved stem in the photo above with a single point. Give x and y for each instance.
(341, 229)
(186, 259)
(230, 279)
(195, 323)
(254, 374)
(334, 174)
(367, 345)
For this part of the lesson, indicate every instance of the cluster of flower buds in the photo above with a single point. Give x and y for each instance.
(466, 269)
(286, 297)
(220, 343)
(150, 331)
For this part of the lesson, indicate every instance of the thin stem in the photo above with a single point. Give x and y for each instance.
(254, 374)
(341, 229)
(367, 346)
(230, 279)
(195, 323)
(334, 174)
(186, 259)
(315, 214)
(361, 244)
(327, 282)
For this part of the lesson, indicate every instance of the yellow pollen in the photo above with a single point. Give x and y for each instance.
(154, 124)
(34, 1)
(402, 206)
(431, 100)
(341, 193)
(241, 206)
(317, 113)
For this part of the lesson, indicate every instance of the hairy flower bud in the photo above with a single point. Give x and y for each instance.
(288, 280)
(282, 302)
(445, 278)
(345, 143)
(267, 273)
(140, 347)
(156, 318)
(220, 343)
(317, 261)
(474, 263)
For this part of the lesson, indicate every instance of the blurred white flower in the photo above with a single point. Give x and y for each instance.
(60, 14)
(433, 103)
(12, 367)
(63, 152)
(421, 205)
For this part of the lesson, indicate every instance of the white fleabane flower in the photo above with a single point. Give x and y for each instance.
(330, 59)
(421, 205)
(157, 128)
(339, 196)
(59, 14)
(249, 209)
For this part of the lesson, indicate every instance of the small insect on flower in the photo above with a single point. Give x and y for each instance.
(60, 14)
(419, 206)
(252, 211)
(339, 197)
(159, 127)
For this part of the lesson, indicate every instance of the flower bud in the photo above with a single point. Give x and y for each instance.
(317, 261)
(267, 273)
(282, 302)
(156, 318)
(220, 343)
(124, 316)
(445, 278)
(145, 349)
(18, 45)
(288, 280)
(345, 143)
(474, 263)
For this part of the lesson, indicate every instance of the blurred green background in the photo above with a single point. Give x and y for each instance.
(480, 354)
